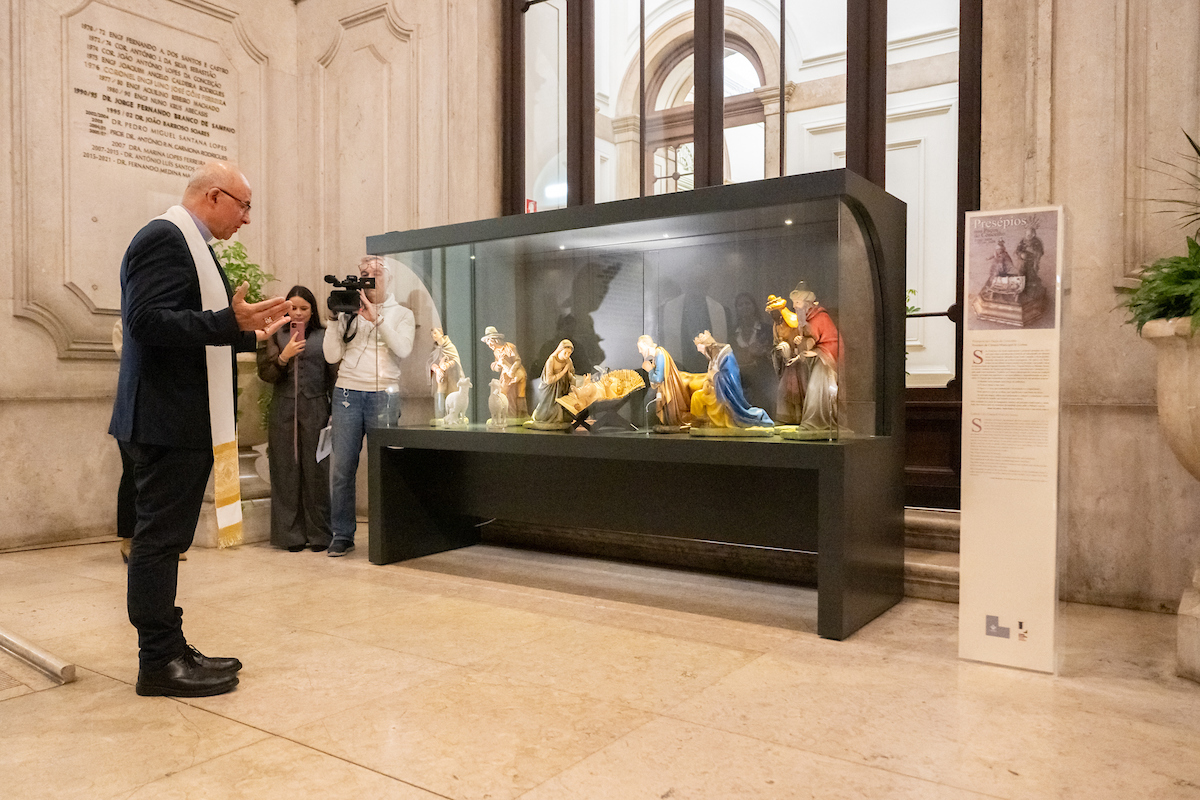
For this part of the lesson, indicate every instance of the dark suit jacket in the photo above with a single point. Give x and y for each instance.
(162, 392)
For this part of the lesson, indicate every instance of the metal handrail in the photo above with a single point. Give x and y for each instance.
(953, 312)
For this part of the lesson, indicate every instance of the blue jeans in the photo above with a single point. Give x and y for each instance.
(354, 413)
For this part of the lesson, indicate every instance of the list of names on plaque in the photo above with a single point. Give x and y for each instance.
(147, 97)
(146, 102)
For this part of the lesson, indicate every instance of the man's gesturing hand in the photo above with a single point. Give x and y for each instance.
(264, 317)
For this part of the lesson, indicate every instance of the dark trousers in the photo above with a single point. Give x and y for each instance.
(126, 511)
(299, 483)
(169, 487)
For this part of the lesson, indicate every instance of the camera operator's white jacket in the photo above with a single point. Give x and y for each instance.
(371, 360)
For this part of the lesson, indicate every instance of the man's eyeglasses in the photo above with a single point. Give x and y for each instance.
(245, 206)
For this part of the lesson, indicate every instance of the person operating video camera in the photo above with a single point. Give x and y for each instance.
(369, 343)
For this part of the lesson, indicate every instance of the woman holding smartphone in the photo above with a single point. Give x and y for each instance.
(294, 362)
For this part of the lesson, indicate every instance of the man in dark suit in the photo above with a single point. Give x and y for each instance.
(161, 417)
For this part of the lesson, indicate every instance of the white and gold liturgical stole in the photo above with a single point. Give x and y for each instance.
(226, 481)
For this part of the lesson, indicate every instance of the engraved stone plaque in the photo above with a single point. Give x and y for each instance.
(146, 104)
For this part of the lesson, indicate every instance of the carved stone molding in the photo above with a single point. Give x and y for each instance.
(1039, 84)
(1157, 59)
(1130, 77)
(211, 9)
(769, 97)
(1129, 80)
(382, 12)
(1017, 90)
(366, 139)
(63, 280)
(627, 128)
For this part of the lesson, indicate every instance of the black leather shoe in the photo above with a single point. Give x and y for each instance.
(183, 677)
(217, 664)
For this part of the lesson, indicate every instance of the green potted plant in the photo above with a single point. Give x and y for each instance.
(1166, 310)
(253, 394)
(240, 269)
(1170, 289)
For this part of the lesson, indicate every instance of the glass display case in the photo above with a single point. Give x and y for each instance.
(778, 310)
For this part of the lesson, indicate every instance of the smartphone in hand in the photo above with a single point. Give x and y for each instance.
(297, 330)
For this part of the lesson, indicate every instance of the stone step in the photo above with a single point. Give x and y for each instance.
(931, 574)
(931, 554)
(931, 529)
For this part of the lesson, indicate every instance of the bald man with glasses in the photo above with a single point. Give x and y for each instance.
(175, 411)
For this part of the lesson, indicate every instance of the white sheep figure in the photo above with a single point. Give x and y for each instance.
(498, 404)
(456, 403)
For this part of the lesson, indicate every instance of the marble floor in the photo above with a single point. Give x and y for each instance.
(503, 674)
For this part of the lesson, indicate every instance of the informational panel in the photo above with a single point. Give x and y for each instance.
(146, 104)
(1008, 576)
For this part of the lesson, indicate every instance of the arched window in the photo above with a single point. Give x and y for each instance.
(851, 96)
(670, 142)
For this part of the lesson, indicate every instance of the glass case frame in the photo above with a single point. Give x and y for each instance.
(840, 501)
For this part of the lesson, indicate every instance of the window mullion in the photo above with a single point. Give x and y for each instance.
(581, 102)
(866, 88)
(710, 93)
(512, 168)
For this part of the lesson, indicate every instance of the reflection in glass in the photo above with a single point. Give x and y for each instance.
(668, 135)
(751, 89)
(675, 168)
(618, 122)
(922, 170)
(677, 88)
(746, 153)
(546, 104)
(815, 75)
(857, 389)
(602, 288)
(740, 75)
(417, 281)
(929, 344)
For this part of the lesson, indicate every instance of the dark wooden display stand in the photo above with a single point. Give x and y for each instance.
(430, 488)
(840, 502)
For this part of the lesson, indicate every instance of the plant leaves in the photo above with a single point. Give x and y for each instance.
(239, 268)
(1170, 289)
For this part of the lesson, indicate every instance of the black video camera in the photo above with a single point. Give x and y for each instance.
(344, 298)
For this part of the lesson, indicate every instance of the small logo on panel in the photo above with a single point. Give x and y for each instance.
(994, 629)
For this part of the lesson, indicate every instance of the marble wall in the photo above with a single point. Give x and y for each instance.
(1081, 98)
(358, 117)
(353, 117)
